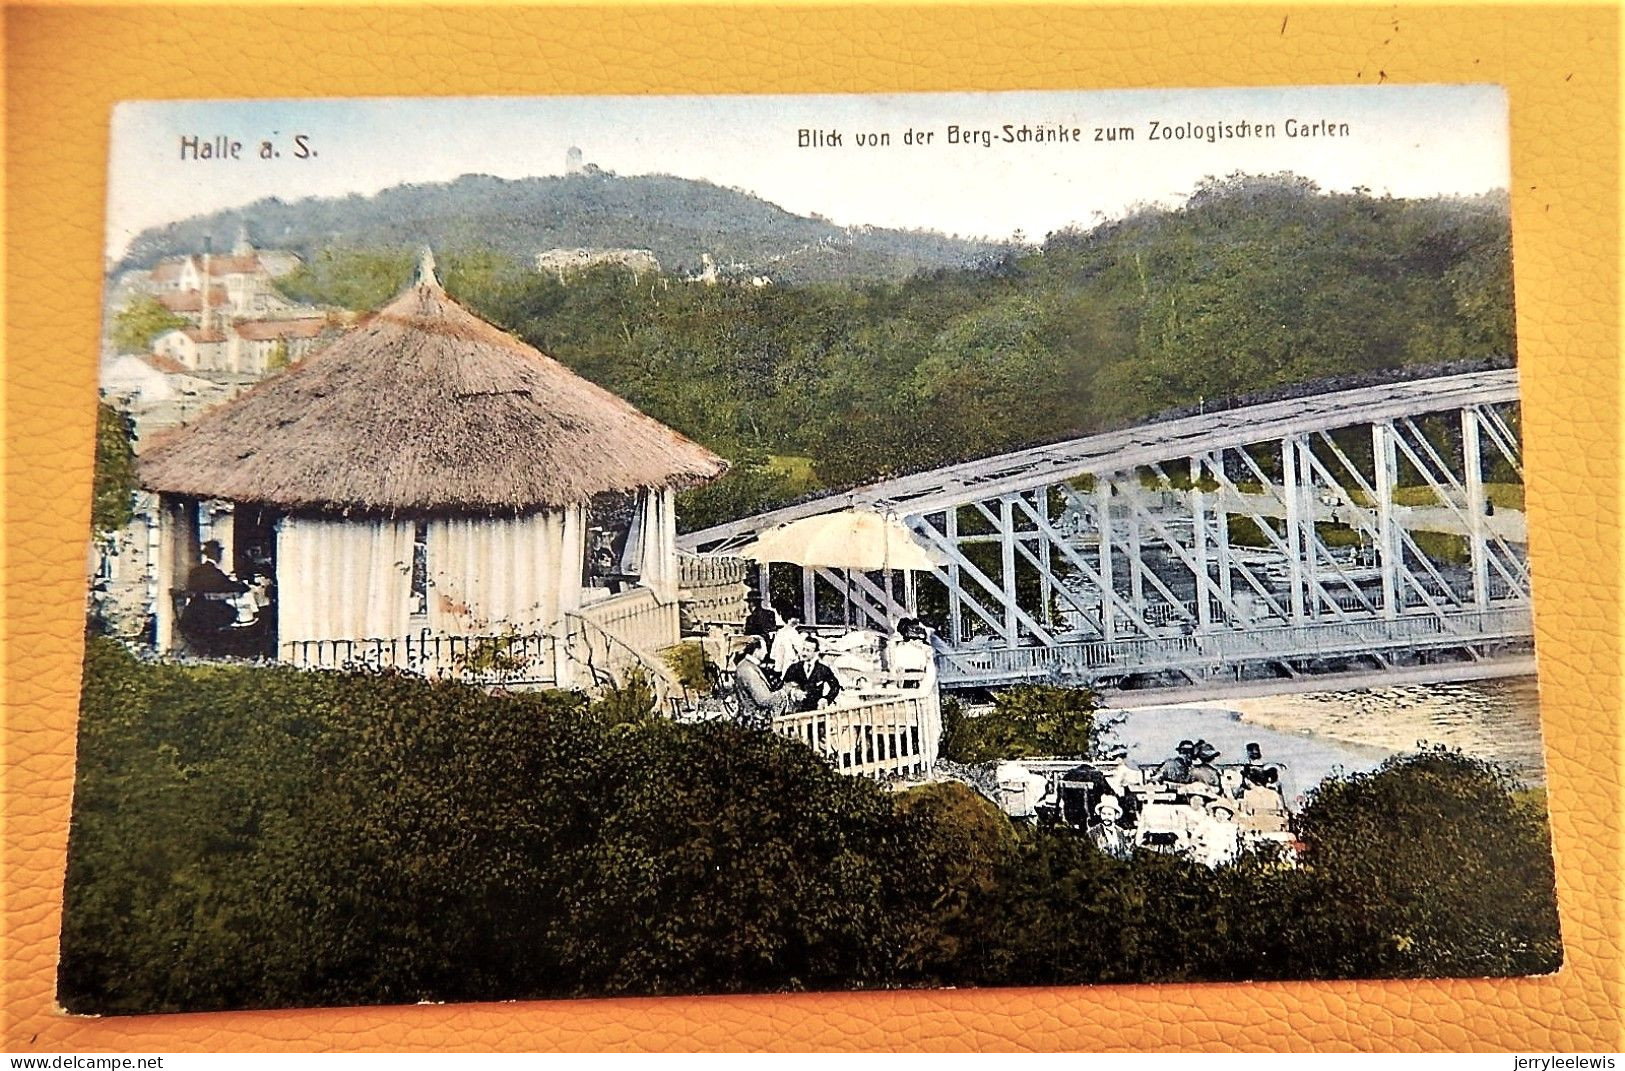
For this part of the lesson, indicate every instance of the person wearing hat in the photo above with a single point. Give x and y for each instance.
(761, 620)
(1107, 832)
(1256, 773)
(208, 578)
(209, 607)
(1202, 771)
(1177, 770)
(1218, 837)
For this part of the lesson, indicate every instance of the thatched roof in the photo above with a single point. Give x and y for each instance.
(424, 407)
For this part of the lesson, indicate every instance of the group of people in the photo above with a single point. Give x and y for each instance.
(764, 690)
(1185, 806)
(782, 667)
(1211, 809)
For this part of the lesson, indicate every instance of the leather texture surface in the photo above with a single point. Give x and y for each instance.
(66, 67)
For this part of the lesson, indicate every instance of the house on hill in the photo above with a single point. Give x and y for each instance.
(562, 263)
(194, 348)
(240, 285)
(429, 493)
(244, 347)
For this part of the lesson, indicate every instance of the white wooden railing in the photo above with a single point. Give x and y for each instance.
(638, 618)
(611, 641)
(510, 659)
(892, 735)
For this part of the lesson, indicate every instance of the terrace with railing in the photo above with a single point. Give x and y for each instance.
(602, 643)
(887, 735)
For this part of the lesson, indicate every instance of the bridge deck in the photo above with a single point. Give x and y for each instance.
(1086, 660)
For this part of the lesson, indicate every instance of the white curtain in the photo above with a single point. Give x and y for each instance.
(343, 579)
(490, 575)
(651, 544)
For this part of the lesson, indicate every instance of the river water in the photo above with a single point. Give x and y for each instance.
(1315, 734)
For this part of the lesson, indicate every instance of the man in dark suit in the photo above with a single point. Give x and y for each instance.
(207, 576)
(816, 680)
(761, 621)
(208, 608)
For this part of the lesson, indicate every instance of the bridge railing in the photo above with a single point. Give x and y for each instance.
(1326, 639)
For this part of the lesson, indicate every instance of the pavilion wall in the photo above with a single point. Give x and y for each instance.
(343, 578)
(492, 575)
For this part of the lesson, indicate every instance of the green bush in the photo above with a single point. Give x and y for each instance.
(963, 848)
(687, 660)
(249, 837)
(1434, 865)
(1027, 720)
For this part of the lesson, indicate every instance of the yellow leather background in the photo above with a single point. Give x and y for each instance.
(67, 66)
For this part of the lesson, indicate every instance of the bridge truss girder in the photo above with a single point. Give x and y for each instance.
(1151, 553)
(1365, 533)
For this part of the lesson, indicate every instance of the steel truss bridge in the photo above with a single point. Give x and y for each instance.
(1365, 528)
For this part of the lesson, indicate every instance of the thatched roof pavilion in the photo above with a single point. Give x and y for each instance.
(424, 407)
(426, 474)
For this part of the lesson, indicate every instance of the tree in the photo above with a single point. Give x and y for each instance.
(141, 321)
(113, 490)
(1435, 865)
(1028, 720)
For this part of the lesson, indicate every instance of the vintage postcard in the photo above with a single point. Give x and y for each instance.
(642, 546)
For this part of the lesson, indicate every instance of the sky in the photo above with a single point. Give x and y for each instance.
(1401, 140)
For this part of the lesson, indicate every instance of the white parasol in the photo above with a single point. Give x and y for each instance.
(850, 539)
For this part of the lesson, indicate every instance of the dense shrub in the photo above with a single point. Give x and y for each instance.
(1432, 865)
(1029, 720)
(249, 837)
(259, 837)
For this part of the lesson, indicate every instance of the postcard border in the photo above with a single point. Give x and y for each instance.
(66, 67)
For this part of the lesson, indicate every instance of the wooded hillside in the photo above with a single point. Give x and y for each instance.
(1256, 282)
(677, 219)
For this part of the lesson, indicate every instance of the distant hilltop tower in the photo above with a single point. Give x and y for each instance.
(572, 162)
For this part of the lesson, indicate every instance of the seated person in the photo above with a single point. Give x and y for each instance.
(212, 592)
(1255, 772)
(206, 577)
(252, 601)
(1177, 770)
(759, 702)
(1216, 839)
(1202, 771)
(1107, 832)
(817, 681)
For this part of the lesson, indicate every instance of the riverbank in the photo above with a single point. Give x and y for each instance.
(1353, 729)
